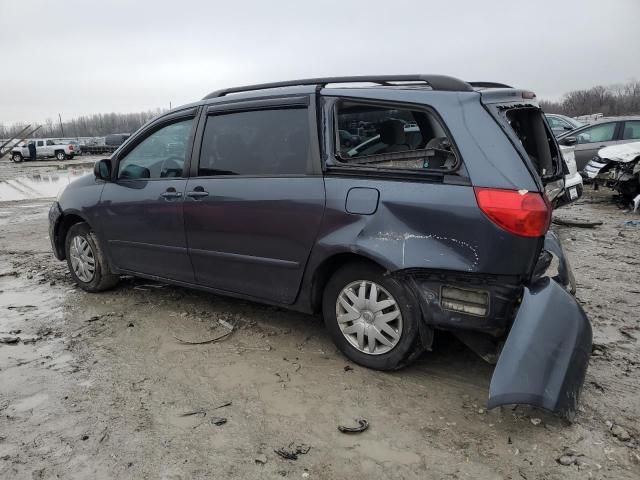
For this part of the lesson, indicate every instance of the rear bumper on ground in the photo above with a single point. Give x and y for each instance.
(546, 351)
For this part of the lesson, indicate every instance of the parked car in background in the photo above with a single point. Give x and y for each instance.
(572, 179)
(618, 167)
(588, 139)
(45, 148)
(249, 193)
(116, 139)
(561, 124)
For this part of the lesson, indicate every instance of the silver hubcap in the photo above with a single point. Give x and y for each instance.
(83, 261)
(369, 317)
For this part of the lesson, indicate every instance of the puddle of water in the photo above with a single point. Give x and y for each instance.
(38, 185)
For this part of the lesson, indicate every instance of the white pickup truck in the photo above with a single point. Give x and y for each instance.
(45, 147)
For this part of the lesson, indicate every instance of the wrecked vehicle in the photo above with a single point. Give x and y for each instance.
(250, 193)
(618, 167)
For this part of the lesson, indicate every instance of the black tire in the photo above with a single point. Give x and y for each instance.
(102, 278)
(60, 155)
(17, 157)
(69, 157)
(408, 346)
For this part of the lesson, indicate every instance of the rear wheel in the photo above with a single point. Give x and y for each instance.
(60, 155)
(372, 319)
(69, 157)
(17, 157)
(87, 264)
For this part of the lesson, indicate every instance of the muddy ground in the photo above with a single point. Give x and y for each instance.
(99, 386)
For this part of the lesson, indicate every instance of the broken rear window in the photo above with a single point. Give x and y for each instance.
(391, 138)
(537, 140)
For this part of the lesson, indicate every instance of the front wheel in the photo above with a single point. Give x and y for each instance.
(60, 156)
(87, 264)
(17, 157)
(372, 318)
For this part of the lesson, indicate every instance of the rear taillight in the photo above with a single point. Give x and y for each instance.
(526, 214)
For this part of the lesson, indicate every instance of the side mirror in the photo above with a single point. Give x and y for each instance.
(568, 141)
(102, 170)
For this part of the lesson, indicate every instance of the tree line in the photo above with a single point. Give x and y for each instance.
(97, 125)
(611, 101)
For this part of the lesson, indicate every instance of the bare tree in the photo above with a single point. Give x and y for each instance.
(612, 100)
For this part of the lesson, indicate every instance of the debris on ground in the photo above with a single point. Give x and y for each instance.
(9, 339)
(536, 421)
(149, 286)
(620, 433)
(218, 421)
(348, 368)
(291, 451)
(200, 413)
(631, 223)
(211, 340)
(261, 459)
(361, 427)
(576, 223)
(568, 457)
(230, 329)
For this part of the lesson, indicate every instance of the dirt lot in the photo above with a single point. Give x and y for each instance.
(98, 386)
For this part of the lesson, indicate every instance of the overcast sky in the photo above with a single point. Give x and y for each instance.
(77, 57)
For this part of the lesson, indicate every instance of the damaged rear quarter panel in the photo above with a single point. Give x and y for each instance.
(420, 224)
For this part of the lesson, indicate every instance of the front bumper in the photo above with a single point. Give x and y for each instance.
(55, 214)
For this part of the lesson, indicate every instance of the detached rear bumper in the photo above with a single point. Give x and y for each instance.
(544, 360)
(545, 357)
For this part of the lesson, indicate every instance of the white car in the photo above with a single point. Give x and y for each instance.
(573, 179)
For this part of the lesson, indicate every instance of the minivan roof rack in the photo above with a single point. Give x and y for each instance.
(436, 82)
(489, 85)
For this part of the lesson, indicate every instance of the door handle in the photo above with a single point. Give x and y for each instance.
(197, 192)
(171, 193)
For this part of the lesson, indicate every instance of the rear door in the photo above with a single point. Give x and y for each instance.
(40, 148)
(631, 131)
(255, 198)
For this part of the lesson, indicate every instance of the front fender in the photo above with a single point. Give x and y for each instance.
(545, 357)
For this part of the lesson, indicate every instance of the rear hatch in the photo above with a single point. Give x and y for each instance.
(522, 120)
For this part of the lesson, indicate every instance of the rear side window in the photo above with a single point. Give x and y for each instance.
(262, 142)
(631, 130)
(389, 137)
(598, 133)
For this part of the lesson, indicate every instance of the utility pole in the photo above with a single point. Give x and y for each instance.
(61, 129)
(169, 104)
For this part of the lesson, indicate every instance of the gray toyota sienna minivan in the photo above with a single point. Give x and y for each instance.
(438, 219)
